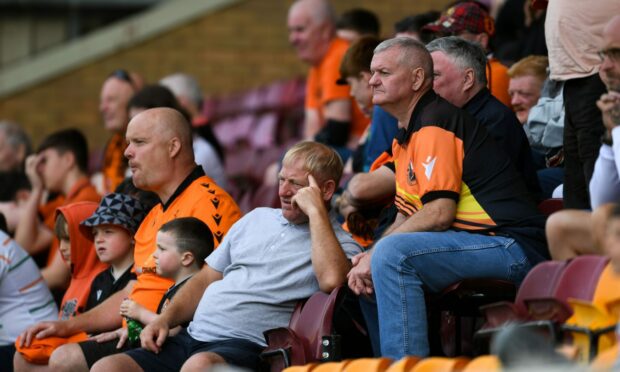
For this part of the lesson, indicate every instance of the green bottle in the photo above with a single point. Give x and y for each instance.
(133, 331)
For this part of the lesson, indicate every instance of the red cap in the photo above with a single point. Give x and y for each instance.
(467, 16)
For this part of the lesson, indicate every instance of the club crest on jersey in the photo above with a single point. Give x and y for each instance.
(410, 174)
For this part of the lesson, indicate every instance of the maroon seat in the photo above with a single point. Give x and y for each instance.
(540, 282)
(266, 196)
(550, 206)
(308, 338)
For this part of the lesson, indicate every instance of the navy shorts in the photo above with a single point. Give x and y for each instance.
(178, 349)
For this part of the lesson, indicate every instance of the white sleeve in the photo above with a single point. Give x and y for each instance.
(605, 182)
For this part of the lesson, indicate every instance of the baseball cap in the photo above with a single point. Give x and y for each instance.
(467, 16)
(119, 210)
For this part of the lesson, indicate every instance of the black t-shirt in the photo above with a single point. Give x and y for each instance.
(104, 285)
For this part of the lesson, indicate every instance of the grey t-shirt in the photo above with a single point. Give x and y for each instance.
(265, 261)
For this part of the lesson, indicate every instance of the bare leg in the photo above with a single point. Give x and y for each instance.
(569, 234)
(116, 363)
(201, 362)
(22, 365)
(69, 358)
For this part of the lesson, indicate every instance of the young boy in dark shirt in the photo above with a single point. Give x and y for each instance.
(182, 247)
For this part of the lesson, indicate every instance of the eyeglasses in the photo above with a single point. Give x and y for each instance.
(612, 53)
(124, 76)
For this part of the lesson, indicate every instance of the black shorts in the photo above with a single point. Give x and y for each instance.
(178, 349)
(93, 350)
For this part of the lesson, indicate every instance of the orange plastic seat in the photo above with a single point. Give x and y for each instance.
(484, 363)
(331, 366)
(440, 364)
(606, 360)
(592, 324)
(368, 365)
(305, 368)
(404, 364)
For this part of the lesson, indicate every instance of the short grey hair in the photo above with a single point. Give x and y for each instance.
(184, 85)
(412, 53)
(463, 53)
(16, 136)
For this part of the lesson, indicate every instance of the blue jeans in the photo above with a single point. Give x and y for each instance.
(404, 266)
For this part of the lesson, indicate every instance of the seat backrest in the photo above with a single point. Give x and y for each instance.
(405, 364)
(440, 364)
(484, 363)
(368, 365)
(540, 282)
(607, 289)
(316, 320)
(550, 206)
(580, 278)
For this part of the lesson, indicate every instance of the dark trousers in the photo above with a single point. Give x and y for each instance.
(583, 128)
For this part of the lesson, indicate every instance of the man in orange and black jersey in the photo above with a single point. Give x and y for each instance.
(463, 210)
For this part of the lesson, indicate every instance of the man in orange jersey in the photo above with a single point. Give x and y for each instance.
(331, 116)
(463, 211)
(161, 160)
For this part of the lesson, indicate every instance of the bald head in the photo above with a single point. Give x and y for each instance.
(610, 65)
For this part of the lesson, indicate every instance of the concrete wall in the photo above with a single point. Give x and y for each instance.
(239, 47)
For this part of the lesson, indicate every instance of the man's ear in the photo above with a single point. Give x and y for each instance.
(21, 152)
(328, 189)
(469, 79)
(174, 147)
(417, 78)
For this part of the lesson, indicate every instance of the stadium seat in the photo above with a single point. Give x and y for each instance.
(550, 206)
(368, 365)
(404, 364)
(484, 363)
(540, 282)
(592, 324)
(309, 336)
(440, 364)
(454, 314)
(606, 361)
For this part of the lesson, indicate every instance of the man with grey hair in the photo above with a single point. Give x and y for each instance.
(15, 146)
(331, 116)
(459, 69)
(463, 211)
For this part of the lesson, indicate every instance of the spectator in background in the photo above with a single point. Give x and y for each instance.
(152, 96)
(356, 23)
(14, 146)
(331, 116)
(411, 26)
(116, 91)
(573, 42)
(574, 232)
(470, 21)
(14, 192)
(527, 77)
(24, 297)
(459, 77)
(538, 104)
(59, 166)
(187, 91)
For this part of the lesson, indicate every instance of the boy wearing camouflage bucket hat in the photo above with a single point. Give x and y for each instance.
(112, 227)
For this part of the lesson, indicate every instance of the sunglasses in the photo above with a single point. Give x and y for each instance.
(124, 76)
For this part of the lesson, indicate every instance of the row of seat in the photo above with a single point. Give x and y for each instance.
(486, 363)
(576, 300)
